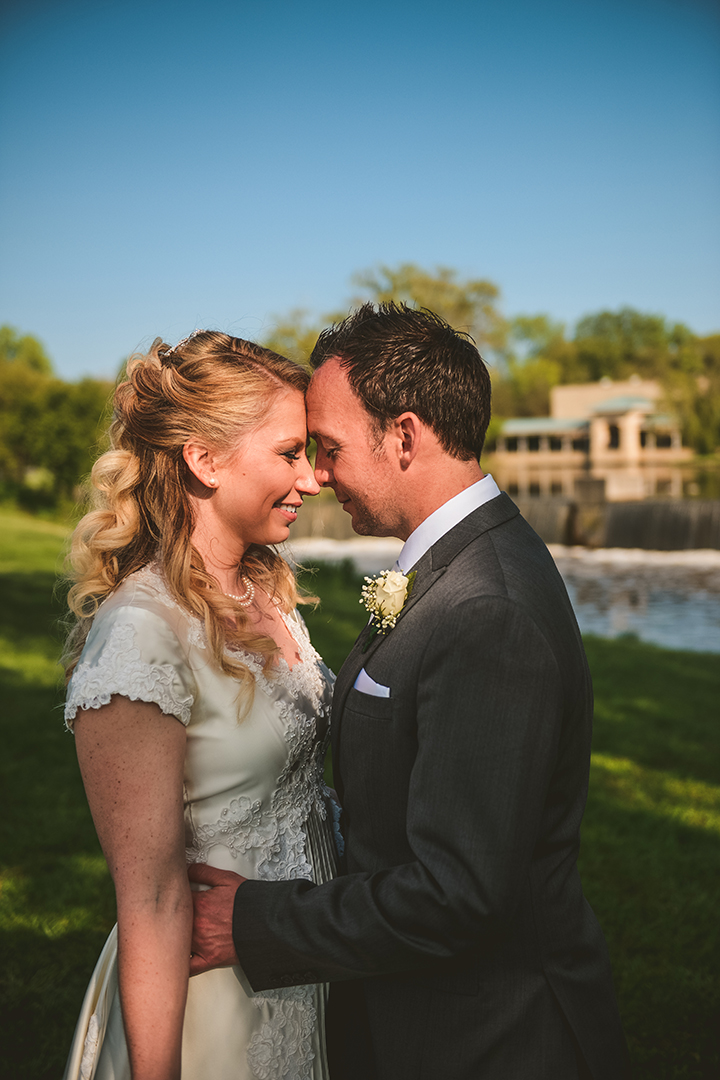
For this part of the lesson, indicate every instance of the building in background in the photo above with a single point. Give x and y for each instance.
(611, 432)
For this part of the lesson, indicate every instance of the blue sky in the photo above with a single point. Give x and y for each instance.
(171, 165)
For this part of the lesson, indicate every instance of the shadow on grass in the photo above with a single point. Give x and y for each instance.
(653, 881)
(42, 988)
(33, 612)
(656, 706)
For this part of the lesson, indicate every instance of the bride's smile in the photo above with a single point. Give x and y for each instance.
(253, 495)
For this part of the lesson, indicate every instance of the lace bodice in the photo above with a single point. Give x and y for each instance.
(254, 796)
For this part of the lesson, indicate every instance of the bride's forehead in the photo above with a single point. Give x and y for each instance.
(284, 408)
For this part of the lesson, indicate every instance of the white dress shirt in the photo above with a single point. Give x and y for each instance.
(445, 518)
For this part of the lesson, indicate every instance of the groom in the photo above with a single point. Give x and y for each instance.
(458, 941)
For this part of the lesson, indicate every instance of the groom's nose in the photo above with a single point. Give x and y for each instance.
(323, 471)
(323, 476)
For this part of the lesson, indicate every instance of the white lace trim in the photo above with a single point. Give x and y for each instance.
(282, 1048)
(119, 670)
(336, 812)
(278, 830)
(240, 827)
(90, 1049)
(305, 678)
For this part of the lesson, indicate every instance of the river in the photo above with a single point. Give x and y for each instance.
(669, 598)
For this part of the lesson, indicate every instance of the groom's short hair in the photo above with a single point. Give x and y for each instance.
(402, 359)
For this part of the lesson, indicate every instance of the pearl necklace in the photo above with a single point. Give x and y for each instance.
(248, 596)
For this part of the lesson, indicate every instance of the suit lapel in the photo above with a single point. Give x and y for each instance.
(486, 517)
(358, 658)
(430, 568)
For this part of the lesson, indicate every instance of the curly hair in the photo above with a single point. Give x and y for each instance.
(211, 386)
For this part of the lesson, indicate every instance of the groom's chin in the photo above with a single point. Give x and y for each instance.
(364, 528)
(366, 523)
(371, 527)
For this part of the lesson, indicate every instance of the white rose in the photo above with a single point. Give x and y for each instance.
(391, 592)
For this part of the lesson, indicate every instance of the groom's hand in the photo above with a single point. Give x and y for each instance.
(212, 943)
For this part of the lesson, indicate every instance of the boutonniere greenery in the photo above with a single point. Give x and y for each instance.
(384, 597)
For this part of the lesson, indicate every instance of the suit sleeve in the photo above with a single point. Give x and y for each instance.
(489, 716)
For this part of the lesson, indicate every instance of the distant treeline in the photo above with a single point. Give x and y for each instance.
(52, 430)
(529, 354)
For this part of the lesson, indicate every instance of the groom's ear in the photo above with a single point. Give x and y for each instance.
(406, 435)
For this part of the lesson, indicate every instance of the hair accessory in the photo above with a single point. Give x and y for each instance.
(248, 596)
(184, 341)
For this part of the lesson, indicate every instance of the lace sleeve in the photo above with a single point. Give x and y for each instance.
(132, 652)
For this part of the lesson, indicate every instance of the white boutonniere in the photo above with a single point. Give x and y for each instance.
(384, 597)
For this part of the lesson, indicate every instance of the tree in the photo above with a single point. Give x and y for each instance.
(76, 417)
(626, 342)
(49, 429)
(692, 392)
(470, 305)
(533, 353)
(22, 413)
(536, 357)
(25, 351)
(294, 335)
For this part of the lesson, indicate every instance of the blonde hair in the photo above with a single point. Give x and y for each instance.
(211, 386)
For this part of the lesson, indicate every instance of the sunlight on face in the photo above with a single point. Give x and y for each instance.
(348, 459)
(262, 484)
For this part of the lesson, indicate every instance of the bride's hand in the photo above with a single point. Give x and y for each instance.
(212, 942)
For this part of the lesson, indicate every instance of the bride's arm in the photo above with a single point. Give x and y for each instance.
(131, 757)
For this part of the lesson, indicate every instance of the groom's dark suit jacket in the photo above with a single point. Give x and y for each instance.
(458, 940)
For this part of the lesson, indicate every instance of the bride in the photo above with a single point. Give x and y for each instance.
(199, 707)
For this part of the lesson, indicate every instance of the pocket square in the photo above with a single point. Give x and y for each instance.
(366, 685)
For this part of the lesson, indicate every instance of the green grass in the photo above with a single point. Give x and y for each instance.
(56, 900)
(651, 849)
(651, 840)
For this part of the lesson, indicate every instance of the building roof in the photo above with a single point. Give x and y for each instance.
(628, 403)
(660, 422)
(543, 425)
(579, 399)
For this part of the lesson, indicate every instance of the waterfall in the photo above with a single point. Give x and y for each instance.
(663, 524)
(654, 524)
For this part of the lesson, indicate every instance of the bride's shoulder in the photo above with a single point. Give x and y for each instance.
(145, 587)
(144, 595)
(140, 615)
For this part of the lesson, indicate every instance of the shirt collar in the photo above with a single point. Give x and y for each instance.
(445, 518)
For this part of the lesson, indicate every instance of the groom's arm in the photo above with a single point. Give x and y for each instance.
(489, 715)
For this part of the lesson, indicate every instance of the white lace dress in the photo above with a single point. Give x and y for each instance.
(255, 802)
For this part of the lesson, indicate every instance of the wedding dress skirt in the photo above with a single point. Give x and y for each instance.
(255, 802)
